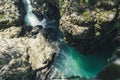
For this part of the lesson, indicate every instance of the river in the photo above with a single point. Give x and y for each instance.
(69, 62)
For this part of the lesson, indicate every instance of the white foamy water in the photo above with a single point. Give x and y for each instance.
(69, 61)
(31, 19)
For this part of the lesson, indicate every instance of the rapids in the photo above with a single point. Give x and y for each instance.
(69, 62)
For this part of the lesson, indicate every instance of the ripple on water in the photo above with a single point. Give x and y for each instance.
(71, 63)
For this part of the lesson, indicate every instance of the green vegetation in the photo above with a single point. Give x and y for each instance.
(86, 2)
(1, 16)
(87, 16)
(100, 17)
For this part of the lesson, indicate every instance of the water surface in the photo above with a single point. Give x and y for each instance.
(69, 62)
(72, 63)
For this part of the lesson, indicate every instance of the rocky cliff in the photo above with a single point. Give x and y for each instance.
(89, 25)
(85, 25)
(27, 54)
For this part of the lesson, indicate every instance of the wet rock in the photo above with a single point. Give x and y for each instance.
(20, 57)
(112, 71)
(88, 24)
(25, 57)
(39, 26)
(9, 13)
(12, 32)
(10, 18)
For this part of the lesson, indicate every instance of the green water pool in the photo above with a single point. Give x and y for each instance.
(71, 63)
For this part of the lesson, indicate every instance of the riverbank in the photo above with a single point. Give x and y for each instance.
(30, 50)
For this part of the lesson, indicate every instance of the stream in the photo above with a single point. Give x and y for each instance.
(69, 62)
(72, 63)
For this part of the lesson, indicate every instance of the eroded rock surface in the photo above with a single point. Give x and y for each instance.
(89, 25)
(20, 56)
(27, 55)
(25, 52)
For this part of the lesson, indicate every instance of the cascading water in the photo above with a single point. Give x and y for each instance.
(69, 62)
(31, 19)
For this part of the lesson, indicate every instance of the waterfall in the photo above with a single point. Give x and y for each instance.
(69, 62)
(31, 19)
(28, 6)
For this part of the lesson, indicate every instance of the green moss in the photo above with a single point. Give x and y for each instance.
(97, 34)
(64, 6)
(1, 16)
(86, 3)
(62, 11)
(61, 2)
(86, 15)
(100, 18)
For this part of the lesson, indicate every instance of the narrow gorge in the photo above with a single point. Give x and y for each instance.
(69, 62)
(55, 42)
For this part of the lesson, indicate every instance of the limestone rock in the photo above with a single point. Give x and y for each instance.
(19, 57)
(86, 24)
(9, 13)
(12, 32)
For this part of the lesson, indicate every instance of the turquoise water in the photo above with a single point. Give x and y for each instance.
(71, 63)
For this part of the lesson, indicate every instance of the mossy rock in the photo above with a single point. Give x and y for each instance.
(9, 13)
